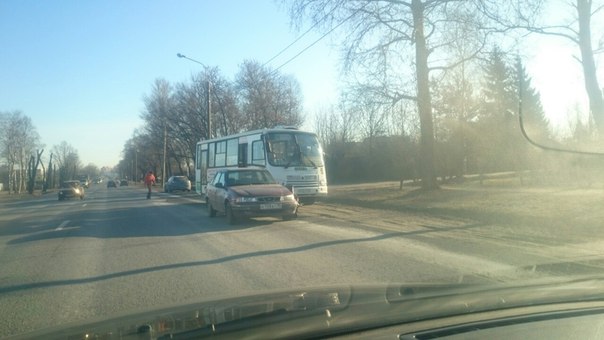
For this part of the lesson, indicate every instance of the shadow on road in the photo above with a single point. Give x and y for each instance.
(260, 253)
(131, 220)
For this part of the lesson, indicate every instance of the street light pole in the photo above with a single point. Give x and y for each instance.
(209, 98)
(136, 165)
(163, 171)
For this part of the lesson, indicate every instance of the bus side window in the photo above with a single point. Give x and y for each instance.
(242, 161)
(258, 153)
(212, 148)
(203, 166)
(232, 152)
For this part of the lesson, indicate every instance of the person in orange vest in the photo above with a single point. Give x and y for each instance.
(149, 181)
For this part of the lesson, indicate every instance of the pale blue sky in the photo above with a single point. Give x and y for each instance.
(80, 69)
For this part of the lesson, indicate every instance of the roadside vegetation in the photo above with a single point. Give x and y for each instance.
(538, 204)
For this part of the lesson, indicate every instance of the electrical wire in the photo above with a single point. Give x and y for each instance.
(301, 36)
(321, 37)
(539, 145)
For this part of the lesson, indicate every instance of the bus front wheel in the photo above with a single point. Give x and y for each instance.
(306, 200)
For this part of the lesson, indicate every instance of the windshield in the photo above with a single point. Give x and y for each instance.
(294, 149)
(235, 178)
(71, 184)
(431, 143)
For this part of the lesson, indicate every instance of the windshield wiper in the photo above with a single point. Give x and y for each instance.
(303, 307)
(309, 159)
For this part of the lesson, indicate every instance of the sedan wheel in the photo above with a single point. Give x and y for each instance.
(211, 210)
(231, 218)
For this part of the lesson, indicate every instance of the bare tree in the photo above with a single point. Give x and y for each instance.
(159, 118)
(48, 174)
(267, 98)
(18, 140)
(34, 163)
(378, 40)
(189, 116)
(67, 159)
(336, 125)
(92, 170)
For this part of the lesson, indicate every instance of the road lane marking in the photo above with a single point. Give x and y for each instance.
(62, 225)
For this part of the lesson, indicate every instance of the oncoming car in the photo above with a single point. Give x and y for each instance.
(248, 193)
(71, 189)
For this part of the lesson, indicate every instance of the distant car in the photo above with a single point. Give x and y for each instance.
(248, 193)
(177, 183)
(84, 181)
(111, 184)
(124, 183)
(71, 189)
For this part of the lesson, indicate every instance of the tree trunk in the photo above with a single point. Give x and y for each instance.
(48, 183)
(424, 101)
(31, 175)
(21, 174)
(34, 162)
(596, 103)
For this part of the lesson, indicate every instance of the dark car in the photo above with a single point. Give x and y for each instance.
(177, 183)
(124, 183)
(71, 189)
(111, 184)
(248, 193)
(84, 181)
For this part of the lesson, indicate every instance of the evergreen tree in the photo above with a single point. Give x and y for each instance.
(533, 116)
(503, 146)
(496, 121)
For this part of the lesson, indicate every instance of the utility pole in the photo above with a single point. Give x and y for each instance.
(209, 110)
(163, 172)
(136, 166)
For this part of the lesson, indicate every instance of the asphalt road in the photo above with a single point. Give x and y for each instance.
(117, 252)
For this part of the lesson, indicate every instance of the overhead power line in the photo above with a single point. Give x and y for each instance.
(300, 37)
(316, 41)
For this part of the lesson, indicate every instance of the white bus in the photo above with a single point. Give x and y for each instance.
(293, 157)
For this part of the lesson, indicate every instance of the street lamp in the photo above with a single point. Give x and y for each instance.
(136, 165)
(208, 98)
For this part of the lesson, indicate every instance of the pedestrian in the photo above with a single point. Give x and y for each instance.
(149, 181)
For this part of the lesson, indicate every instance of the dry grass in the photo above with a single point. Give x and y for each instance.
(575, 209)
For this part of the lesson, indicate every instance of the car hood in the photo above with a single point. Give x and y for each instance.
(329, 311)
(70, 189)
(260, 190)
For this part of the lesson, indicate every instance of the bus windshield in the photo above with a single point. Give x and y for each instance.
(293, 149)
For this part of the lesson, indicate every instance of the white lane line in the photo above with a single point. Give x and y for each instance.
(62, 225)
